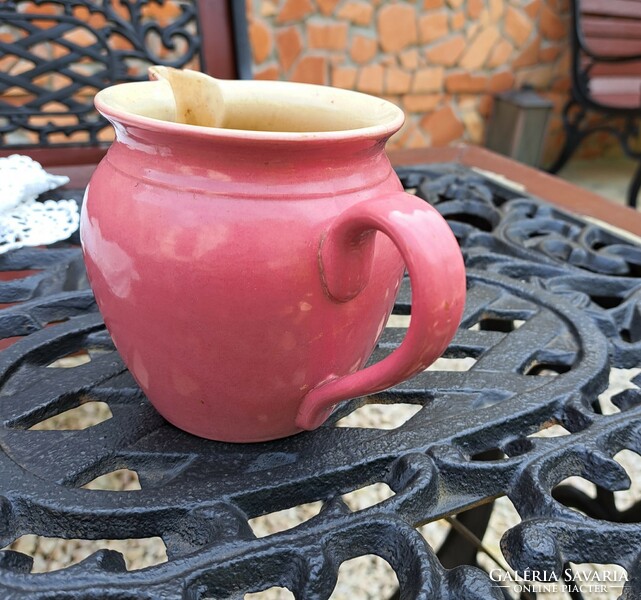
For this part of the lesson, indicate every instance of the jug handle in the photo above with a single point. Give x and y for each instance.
(435, 266)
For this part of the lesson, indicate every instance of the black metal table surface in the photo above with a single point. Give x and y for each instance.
(553, 308)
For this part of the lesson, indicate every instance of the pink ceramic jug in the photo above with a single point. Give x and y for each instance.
(246, 271)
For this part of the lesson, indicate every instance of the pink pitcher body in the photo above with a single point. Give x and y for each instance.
(205, 250)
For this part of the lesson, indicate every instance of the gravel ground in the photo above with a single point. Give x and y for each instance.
(363, 578)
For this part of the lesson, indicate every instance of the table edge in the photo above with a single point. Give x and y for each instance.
(537, 183)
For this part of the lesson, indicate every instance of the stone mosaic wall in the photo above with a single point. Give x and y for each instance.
(440, 60)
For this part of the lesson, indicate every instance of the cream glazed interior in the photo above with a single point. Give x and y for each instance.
(193, 98)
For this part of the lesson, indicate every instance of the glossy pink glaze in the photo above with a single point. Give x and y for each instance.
(242, 278)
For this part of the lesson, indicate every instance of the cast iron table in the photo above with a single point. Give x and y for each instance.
(554, 304)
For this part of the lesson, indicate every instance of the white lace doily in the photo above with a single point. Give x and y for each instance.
(23, 221)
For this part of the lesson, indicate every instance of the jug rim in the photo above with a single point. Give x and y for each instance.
(112, 101)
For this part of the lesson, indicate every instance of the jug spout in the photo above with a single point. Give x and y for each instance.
(198, 97)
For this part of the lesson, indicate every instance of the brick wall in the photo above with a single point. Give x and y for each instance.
(440, 60)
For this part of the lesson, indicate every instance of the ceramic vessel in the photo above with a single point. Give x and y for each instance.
(246, 272)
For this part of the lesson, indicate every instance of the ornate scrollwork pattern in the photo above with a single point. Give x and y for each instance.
(56, 54)
(551, 312)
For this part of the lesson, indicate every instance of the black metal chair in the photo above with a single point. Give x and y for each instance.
(606, 79)
(58, 58)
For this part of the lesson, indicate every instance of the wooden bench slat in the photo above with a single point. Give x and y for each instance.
(619, 8)
(619, 100)
(611, 31)
(616, 85)
(604, 27)
(615, 69)
(614, 47)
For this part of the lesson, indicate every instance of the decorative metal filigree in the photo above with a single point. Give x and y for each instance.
(56, 54)
(550, 298)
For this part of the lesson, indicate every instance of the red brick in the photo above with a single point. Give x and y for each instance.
(500, 54)
(288, 42)
(446, 53)
(116, 41)
(311, 69)
(433, 26)
(52, 107)
(478, 51)
(363, 49)
(562, 66)
(496, 10)
(294, 10)
(96, 19)
(57, 51)
(428, 79)
(529, 56)
(410, 59)
(501, 81)
(551, 25)
(57, 81)
(474, 8)
(43, 50)
(370, 79)
(106, 135)
(421, 102)
(485, 105)
(517, 26)
(532, 9)
(260, 37)
(57, 119)
(472, 29)
(80, 137)
(397, 81)
(458, 20)
(121, 9)
(464, 82)
(84, 37)
(46, 9)
(396, 27)
(357, 12)
(549, 53)
(562, 85)
(344, 77)
(162, 13)
(327, 6)
(7, 63)
(443, 126)
(327, 36)
(268, 8)
(87, 91)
